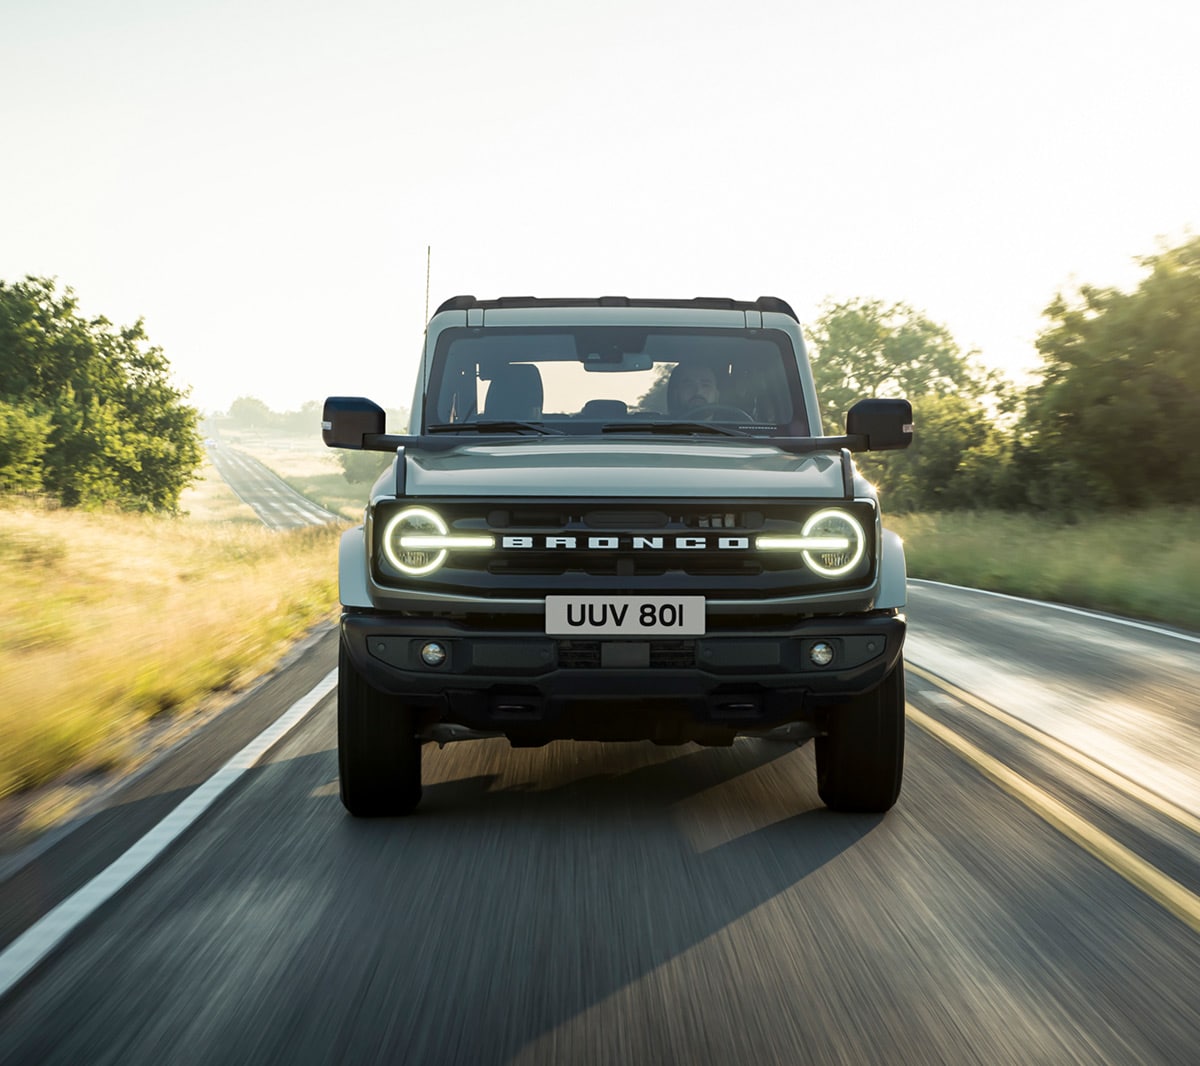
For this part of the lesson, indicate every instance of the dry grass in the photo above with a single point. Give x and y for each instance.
(1142, 564)
(108, 621)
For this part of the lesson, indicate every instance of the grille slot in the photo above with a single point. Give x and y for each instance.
(543, 564)
(664, 654)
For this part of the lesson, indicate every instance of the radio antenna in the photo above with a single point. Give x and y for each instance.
(425, 340)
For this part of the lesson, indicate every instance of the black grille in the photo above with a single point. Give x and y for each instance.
(664, 654)
(627, 546)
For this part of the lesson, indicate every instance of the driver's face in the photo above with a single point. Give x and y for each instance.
(697, 387)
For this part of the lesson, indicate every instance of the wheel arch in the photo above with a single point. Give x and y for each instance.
(893, 572)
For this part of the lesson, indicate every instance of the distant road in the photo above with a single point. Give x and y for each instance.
(274, 501)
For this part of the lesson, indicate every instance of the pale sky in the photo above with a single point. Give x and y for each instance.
(260, 180)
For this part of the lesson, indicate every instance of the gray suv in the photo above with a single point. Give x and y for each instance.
(617, 519)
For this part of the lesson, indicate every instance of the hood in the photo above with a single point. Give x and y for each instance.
(645, 467)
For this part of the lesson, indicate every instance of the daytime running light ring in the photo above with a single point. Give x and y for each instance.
(423, 518)
(854, 531)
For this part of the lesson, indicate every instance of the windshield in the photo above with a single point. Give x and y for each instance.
(615, 378)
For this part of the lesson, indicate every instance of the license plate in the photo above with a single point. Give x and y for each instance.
(625, 616)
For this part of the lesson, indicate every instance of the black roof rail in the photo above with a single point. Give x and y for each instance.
(719, 303)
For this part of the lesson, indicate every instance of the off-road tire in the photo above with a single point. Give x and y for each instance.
(860, 759)
(379, 755)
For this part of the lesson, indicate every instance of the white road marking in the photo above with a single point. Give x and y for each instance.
(32, 946)
(1115, 619)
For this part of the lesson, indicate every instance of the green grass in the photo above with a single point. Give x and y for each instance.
(1142, 564)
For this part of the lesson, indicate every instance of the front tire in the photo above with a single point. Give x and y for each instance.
(860, 760)
(379, 755)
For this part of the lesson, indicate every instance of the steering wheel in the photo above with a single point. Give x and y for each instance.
(718, 412)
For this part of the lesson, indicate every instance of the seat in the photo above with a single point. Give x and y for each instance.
(514, 393)
(600, 409)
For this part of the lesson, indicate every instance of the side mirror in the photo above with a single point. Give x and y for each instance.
(345, 420)
(887, 425)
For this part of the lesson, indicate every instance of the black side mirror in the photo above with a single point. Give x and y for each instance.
(345, 420)
(886, 424)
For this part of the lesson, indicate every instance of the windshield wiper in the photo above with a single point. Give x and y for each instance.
(495, 426)
(676, 428)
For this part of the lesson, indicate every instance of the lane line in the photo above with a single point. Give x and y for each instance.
(1168, 893)
(32, 946)
(1097, 769)
(1116, 619)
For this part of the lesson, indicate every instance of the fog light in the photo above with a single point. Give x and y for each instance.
(821, 653)
(433, 654)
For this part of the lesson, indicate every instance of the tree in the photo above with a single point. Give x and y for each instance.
(1108, 424)
(959, 456)
(23, 442)
(958, 460)
(307, 420)
(249, 412)
(867, 348)
(115, 429)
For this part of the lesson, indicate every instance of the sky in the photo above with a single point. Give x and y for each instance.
(260, 180)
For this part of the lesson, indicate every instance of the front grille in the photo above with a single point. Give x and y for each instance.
(664, 654)
(627, 546)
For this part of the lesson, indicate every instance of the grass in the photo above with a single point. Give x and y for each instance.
(1142, 564)
(109, 621)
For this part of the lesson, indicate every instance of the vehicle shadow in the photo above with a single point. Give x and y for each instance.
(531, 888)
(514, 905)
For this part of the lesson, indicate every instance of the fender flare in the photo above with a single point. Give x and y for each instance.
(352, 569)
(893, 573)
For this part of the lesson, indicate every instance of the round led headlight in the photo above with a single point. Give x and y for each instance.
(839, 542)
(413, 539)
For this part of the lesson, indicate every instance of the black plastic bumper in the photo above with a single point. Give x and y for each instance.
(535, 688)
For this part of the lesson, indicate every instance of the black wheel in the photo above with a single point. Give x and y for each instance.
(379, 755)
(860, 761)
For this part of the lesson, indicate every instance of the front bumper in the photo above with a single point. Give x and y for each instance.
(535, 688)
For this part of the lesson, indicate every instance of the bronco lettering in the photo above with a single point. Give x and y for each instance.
(627, 543)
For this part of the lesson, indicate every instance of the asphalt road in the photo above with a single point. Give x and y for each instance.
(272, 499)
(628, 904)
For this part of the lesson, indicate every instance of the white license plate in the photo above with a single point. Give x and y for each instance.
(625, 616)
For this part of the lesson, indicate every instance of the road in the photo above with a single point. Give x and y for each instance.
(1033, 898)
(273, 499)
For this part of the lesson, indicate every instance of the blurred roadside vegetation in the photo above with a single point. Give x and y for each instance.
(1106, 426)
(110, 621)
(1139, 563)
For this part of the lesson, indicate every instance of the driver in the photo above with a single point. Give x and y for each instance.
(691, 385)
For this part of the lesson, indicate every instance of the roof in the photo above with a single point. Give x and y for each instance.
(719, 303)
